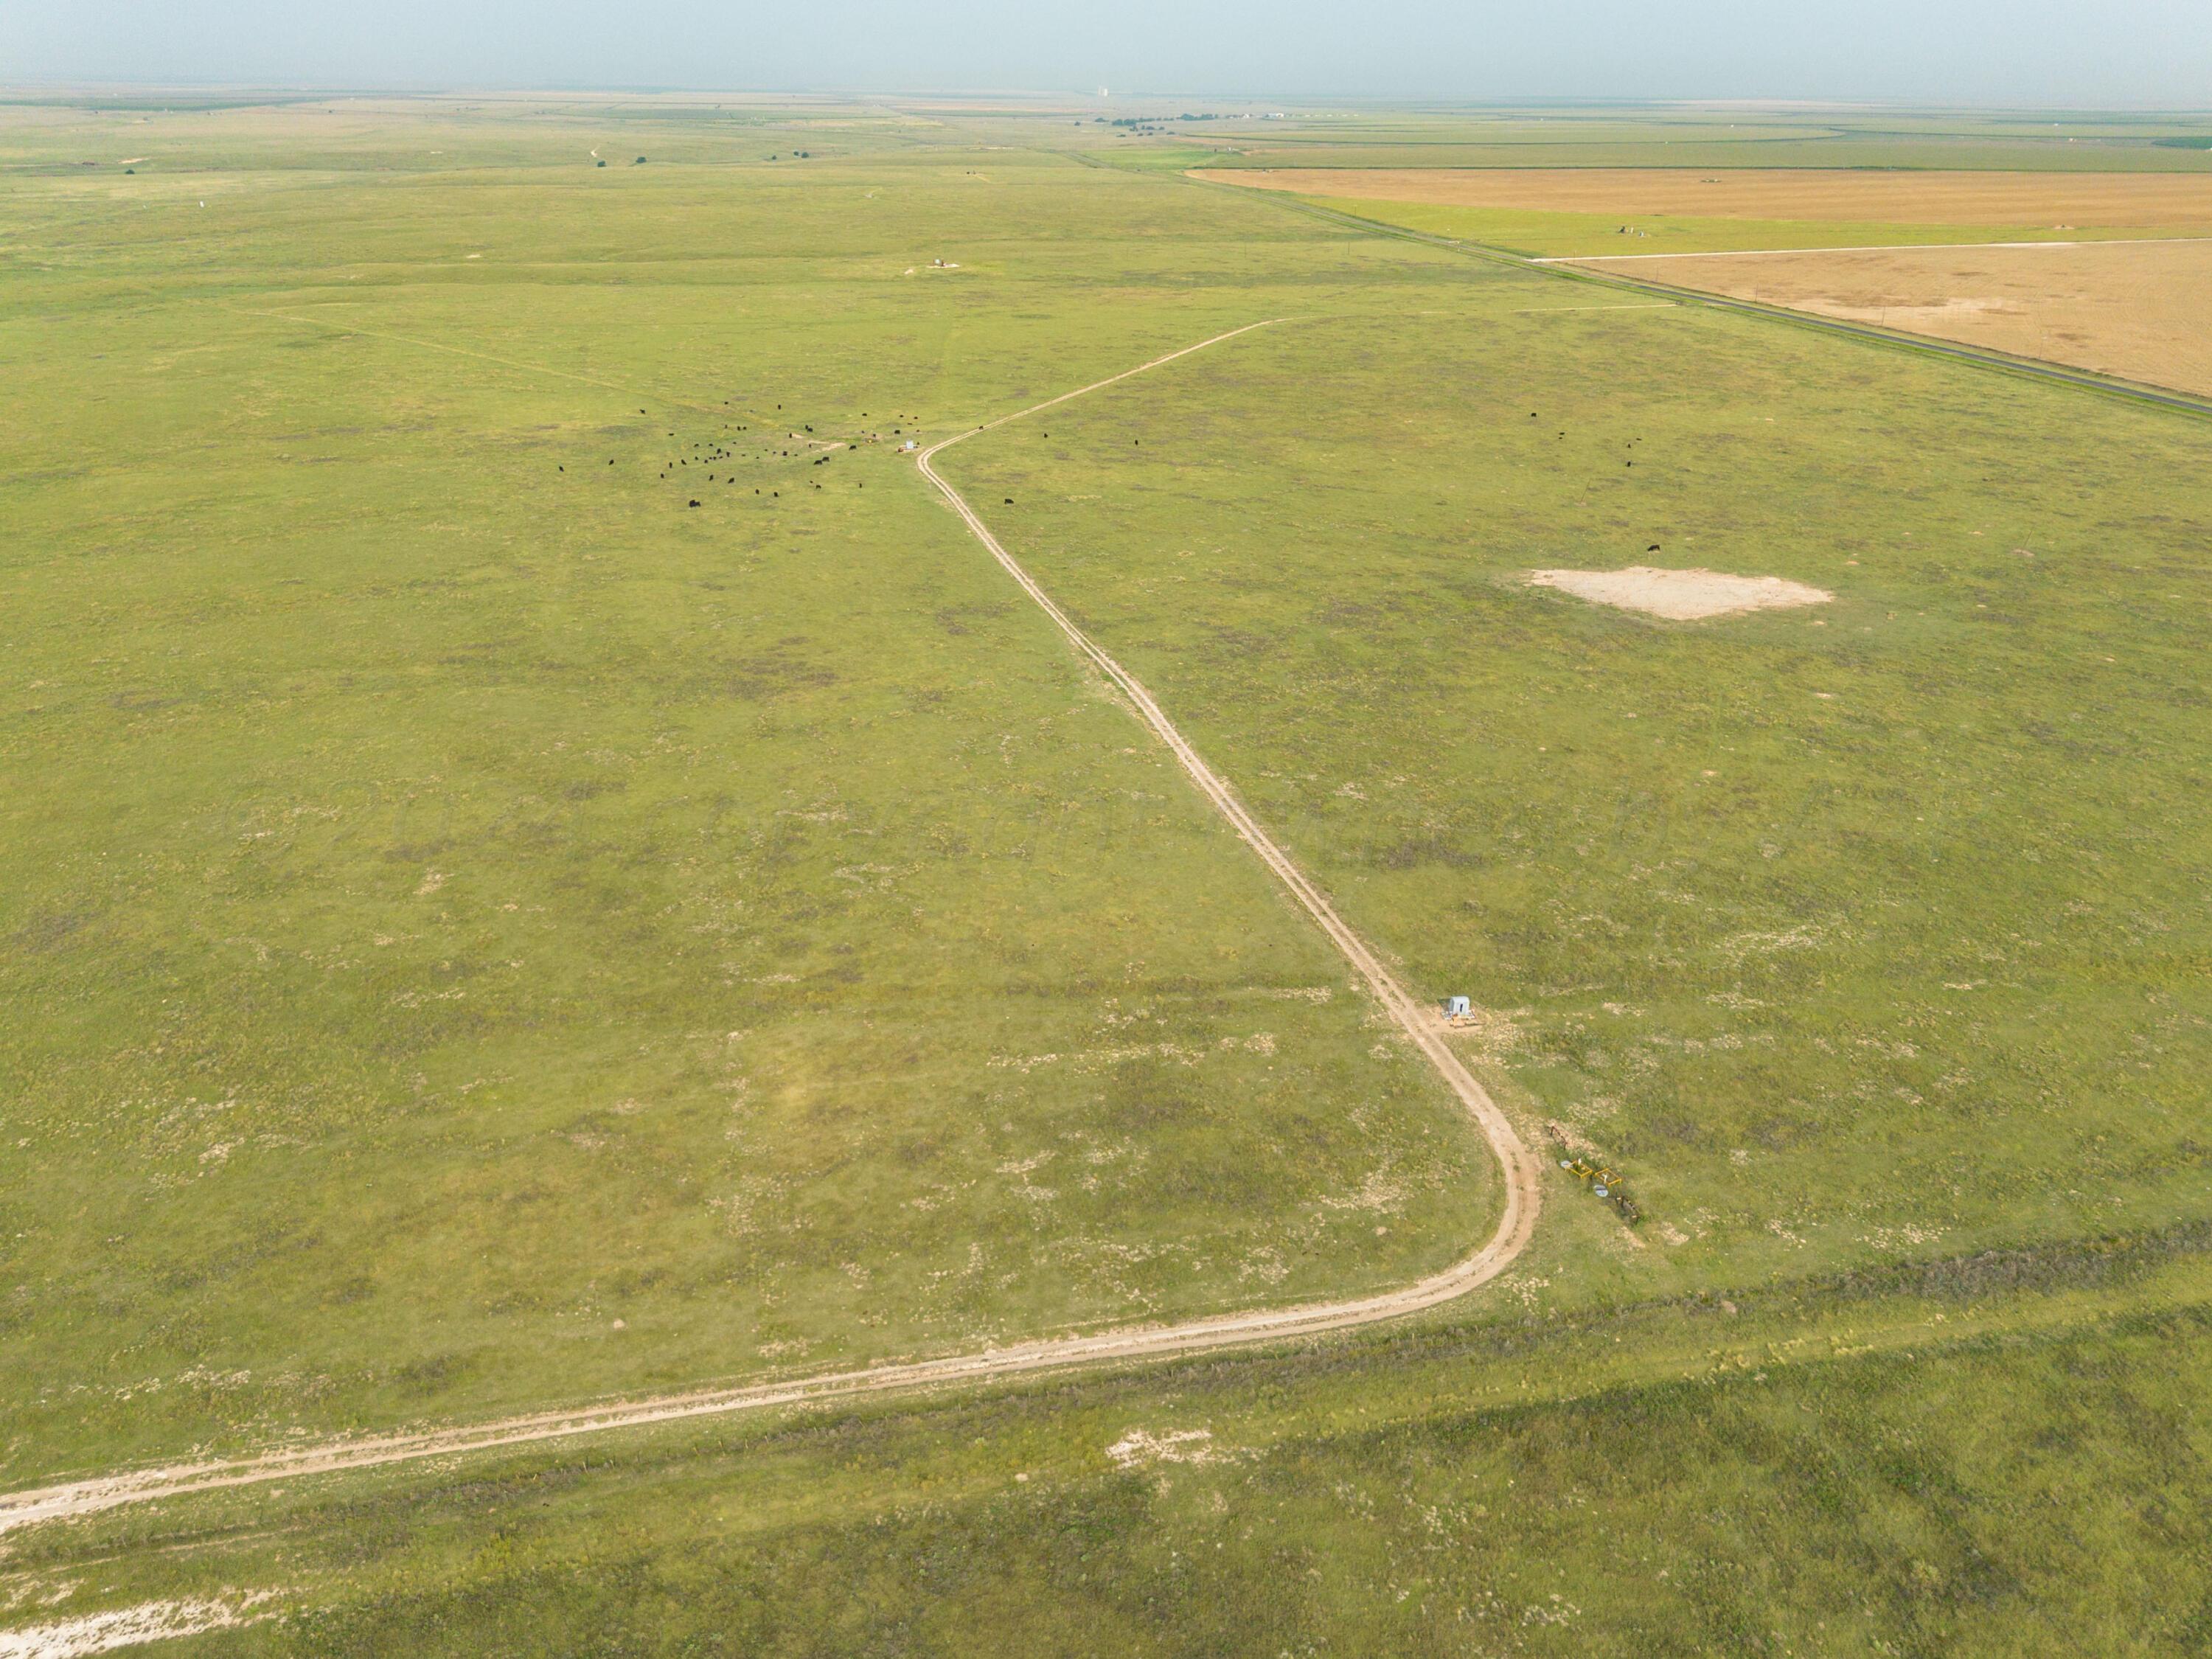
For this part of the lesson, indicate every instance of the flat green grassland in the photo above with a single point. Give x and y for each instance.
(848, 918)
(483, 931)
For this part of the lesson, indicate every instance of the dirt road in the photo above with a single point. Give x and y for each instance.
(1515, 1224)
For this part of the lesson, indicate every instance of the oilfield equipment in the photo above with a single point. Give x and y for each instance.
(1605, 1182)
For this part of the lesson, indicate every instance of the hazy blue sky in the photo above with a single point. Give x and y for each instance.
(2072, 51)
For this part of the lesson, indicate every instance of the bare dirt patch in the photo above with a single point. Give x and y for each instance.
(2140, 311)
(1680, 595)
(2076, 201)
(125, 1627)
(1138, 1448)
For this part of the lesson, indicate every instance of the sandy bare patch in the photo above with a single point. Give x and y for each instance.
(1680, 595)
(2142, 311)
(1138, 1448)
(125, 1627)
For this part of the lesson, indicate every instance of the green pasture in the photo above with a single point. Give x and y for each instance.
(482, 933)
(1996, 1458)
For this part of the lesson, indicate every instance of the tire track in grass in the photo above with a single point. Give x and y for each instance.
(1515, 1224)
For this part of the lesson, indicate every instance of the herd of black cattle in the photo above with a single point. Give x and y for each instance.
(726, 450)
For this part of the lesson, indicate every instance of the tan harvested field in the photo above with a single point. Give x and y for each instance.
(2074, 201)
(2142, 311)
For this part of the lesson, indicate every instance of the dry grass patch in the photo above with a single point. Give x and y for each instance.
(1680, 595)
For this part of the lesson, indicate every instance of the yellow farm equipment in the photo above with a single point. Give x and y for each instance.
(1605, 1182)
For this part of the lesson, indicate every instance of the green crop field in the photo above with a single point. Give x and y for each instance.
(546, 865)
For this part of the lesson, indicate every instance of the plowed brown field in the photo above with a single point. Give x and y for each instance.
(2142, 311)
(2070, 201)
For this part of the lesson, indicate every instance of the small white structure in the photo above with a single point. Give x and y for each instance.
(1458, 1008)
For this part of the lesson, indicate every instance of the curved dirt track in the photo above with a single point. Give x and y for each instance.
(1514, 1225)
